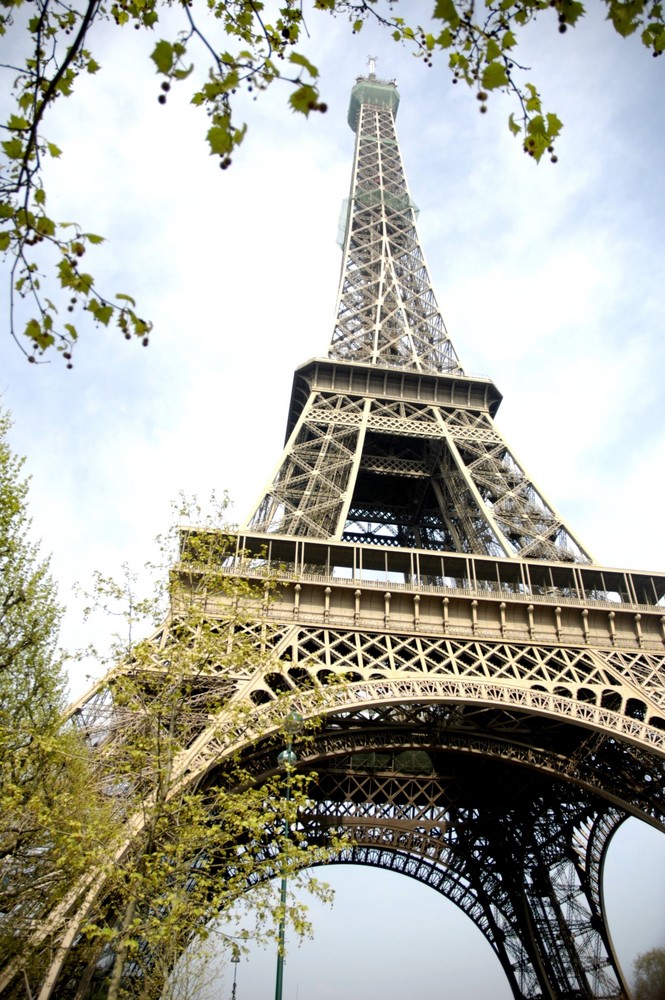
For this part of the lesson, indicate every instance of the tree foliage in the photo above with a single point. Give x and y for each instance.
(218, 48)
(177, 850)
(49, 824)
(649, 975)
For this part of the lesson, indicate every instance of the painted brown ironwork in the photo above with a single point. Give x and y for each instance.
(491, 701)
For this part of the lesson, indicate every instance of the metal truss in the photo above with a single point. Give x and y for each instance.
(500, 849)
(493, 772)
(490, 703)
(394, 472)
(422, 463)
(386, 309)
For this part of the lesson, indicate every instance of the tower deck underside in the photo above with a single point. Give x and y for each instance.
(518, 854)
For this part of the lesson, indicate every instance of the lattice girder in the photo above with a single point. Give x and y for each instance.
(537, 667)
(454, 699)
(387, 318)
(386, 310)
(341, 444)
(444, 828)
(541, 697)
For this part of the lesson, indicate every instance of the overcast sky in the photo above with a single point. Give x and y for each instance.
(550, 278)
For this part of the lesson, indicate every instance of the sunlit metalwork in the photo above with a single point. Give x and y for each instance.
(491, 702)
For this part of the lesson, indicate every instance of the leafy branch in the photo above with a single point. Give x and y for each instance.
(242, 45)
(35, 241)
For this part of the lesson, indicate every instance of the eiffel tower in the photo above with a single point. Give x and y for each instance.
(502, 709)
(505, 701)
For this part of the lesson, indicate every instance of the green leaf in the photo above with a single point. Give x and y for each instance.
(537, 126)
(445, 10)
(126, 298)
(554, 126)
(162, 56)
(574, 11)
(493, 50)
(53, 150)
(93, 237)
(302, 99)
(92, 66)
(40, 196)
(17, 123)
(84, 283)
(513, 126)
(66, 82)
(494, 76)
(5, 237)
(300, 60)
(624, 16)
(532, 103)
(13, 148)
(102, 313)
(140, 326)
(536, 145)
(219, 140)
(45, 226)
(33, 330)
(508, 41)
(66, 272)
(182, 74)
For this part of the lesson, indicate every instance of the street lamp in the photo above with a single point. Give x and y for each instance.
(293, 724)
(234, 961)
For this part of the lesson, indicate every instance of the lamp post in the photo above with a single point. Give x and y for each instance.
(234, 962)
(293, 724)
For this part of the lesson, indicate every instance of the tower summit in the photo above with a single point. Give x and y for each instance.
(490, 703)
(369, 90)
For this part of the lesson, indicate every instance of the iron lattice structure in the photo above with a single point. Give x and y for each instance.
(502, 709)
(388, 441)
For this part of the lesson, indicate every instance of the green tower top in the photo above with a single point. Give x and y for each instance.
(370, 90)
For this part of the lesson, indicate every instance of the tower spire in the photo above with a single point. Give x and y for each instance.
(386, 309)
